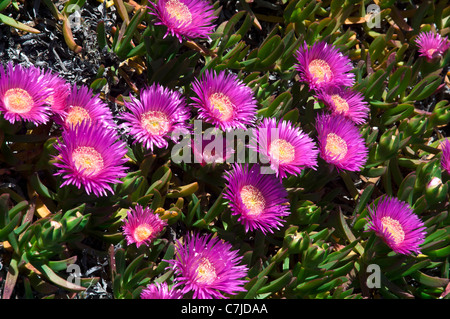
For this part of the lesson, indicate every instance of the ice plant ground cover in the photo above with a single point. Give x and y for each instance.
(115, 182)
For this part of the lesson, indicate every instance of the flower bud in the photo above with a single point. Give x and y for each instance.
(297, 242)
(435, 191)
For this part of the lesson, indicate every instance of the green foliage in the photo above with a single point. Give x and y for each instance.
(5, 5)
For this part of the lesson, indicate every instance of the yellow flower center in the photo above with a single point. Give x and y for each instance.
(222, 103)
(87, 159)
(336, 146)
(431, 52)
(206, 273)
(394, 228)
(253, 200)
(340, 104)
(142, 232)
(18, 101)
(282, 151)
(179, 11)
(76, 115)
(155, 122)
(320, 70)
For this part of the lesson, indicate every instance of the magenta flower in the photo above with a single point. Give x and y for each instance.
(223, 100)
(340, 142)
(60, 91)
(23, 95)
(259, 200)
(445, 159)
(322, 66)
(208, 267)
(347, 102)
(92, 157)
(160, 291)
(142, 226)
(395, 222)
(431, 45)
(155, 115)
(211, 149)
(285, 147)
(190, 19)
(82, 105)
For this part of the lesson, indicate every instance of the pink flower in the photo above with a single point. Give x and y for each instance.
(157, 113)
(445, 159)
(24, 95)
(190, 19)
(91, 156)
(259, 200)
(347, 102)
(160, 291)
(285, 147)
(208, 267)
(60, 90)
(431, 45)
(340, 142)
(142, 226)
(323, 66)
(395, 222)
(82, 105)
(224, 101)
